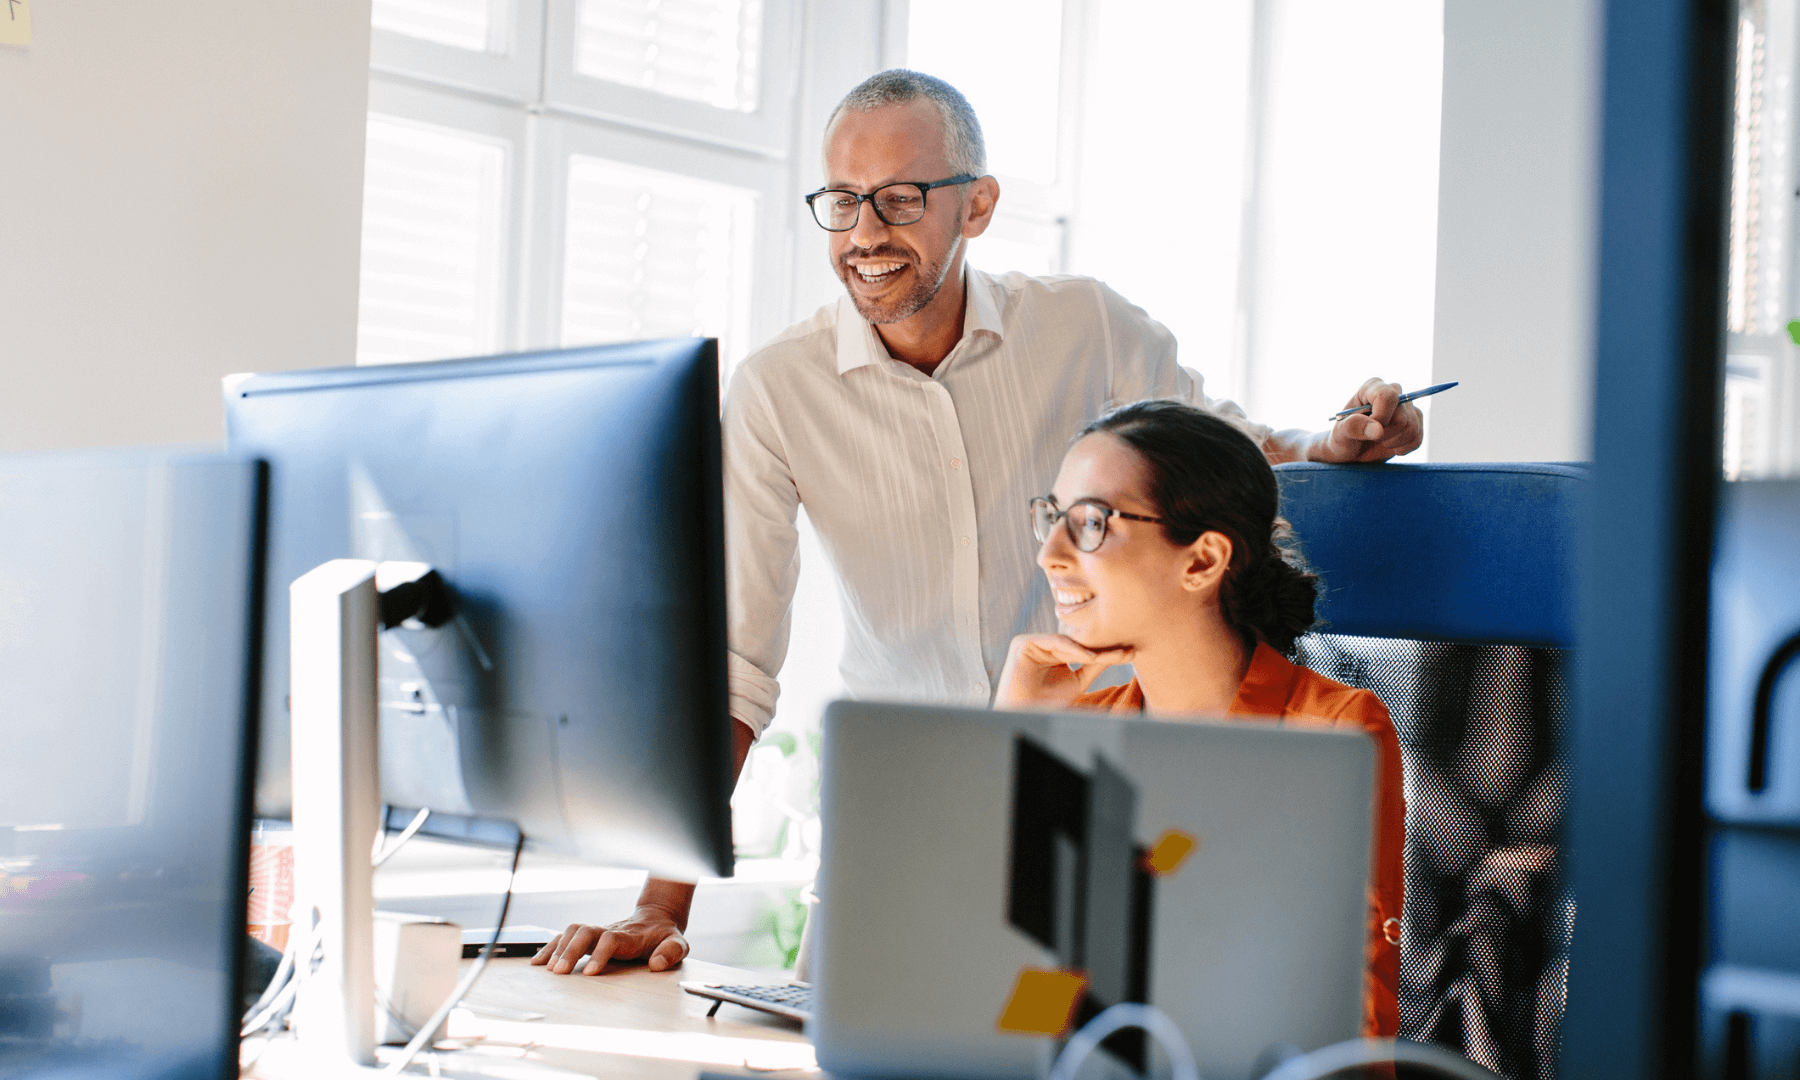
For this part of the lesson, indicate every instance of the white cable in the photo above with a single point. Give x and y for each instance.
(1148, 1017)
(279, 993)
(411, 830)
(468, 980)
(1327, 1060)
(268, 1014)
(279, 979)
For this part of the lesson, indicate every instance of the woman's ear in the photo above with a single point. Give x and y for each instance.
(1209, 556)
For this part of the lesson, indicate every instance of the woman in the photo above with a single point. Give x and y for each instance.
(1163, 550)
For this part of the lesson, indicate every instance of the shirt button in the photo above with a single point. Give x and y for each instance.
(965, 541)
(956, 463)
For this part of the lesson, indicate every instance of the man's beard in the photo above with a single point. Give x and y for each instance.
(928, 278)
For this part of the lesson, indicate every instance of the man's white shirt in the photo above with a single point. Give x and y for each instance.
(918, 486)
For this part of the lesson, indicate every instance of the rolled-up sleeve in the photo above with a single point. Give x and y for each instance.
(1144, 366)
(762, 561)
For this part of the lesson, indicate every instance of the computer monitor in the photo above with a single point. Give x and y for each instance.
(129, 582)
(572, 502)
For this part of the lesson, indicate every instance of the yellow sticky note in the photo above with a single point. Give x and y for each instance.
(1043, 1002)
(1170, 852)
(15, 22)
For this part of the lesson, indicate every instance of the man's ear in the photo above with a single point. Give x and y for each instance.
(978, 207)
(1209, 556)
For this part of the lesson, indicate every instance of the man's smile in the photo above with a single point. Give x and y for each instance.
(877, 271)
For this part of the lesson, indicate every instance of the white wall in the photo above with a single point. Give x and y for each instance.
(182, 192)
(1516, 211)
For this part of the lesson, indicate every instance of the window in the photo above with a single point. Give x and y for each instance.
(650, 254)
(696, 50)
(461, 24)
(1024, 95)
(433, 202)
(1762, 363)
(558, 172)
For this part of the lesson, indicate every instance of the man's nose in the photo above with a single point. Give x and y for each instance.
(870, 230)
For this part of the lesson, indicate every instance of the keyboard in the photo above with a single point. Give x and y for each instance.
(792, 1000)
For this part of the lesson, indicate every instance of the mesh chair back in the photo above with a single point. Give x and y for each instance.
(1448, 591)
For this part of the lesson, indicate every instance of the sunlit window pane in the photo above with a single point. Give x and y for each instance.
(651, 254)
(1347, 240)
(465, 24)
(1013, 88)
(698, 50)
(433, 204)
(1159, 218)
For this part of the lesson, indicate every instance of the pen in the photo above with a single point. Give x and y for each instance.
(1404, 398)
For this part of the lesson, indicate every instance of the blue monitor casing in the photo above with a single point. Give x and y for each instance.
(129, 581)
(572, 501)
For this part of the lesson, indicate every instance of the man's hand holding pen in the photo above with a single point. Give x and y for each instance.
(1390, 427)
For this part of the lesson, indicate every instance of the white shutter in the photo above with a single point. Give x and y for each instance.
(433, 204)
(650, 254)
(463, 24)
(697, 50)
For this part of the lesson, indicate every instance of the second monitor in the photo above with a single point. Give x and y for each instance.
(572, 502)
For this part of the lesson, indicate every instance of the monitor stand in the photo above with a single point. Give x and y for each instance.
(336, 806)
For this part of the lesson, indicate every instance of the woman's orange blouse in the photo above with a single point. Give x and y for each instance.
(1275, 689)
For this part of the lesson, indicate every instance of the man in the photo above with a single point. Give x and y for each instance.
(916, 419)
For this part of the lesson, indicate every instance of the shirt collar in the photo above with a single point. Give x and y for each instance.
(859, 346)
(1267, 686)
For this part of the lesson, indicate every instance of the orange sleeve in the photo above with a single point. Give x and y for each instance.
(1387, 876)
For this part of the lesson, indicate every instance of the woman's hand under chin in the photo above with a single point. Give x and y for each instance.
(1038, 674)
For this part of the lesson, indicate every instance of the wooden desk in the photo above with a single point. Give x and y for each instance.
(631, 1023)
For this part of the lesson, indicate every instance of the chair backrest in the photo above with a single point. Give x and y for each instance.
(1448, 591)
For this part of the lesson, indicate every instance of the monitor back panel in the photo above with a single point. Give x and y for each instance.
(572, 501)
(964, 850)
(128, 584)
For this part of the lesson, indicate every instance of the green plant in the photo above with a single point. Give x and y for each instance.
(785, 921)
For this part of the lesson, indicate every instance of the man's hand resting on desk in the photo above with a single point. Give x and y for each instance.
(654, 930)
(650, 932)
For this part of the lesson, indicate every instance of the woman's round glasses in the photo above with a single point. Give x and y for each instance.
(895, 204)
(1085, 521)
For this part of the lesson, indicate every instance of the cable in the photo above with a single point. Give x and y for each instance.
(411, 830)
(1329, 1059)
(468, 980)
(1152, 1019)
(277, 980)
(281, 990)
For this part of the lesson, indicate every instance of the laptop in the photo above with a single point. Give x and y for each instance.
(991, 880)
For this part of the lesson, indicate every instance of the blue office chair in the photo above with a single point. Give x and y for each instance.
(1449, 592)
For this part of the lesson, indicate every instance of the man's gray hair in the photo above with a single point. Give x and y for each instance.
(963, 144)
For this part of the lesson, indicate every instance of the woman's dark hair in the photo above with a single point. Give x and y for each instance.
(1207, 476)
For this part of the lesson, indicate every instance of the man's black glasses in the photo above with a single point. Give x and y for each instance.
(895, 204)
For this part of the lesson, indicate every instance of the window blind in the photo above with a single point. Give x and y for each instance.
(464, 24)
(433, 204)
(649, 254)
(697, 50)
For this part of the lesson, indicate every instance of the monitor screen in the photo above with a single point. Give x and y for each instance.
(571, 500)
(128, 646)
